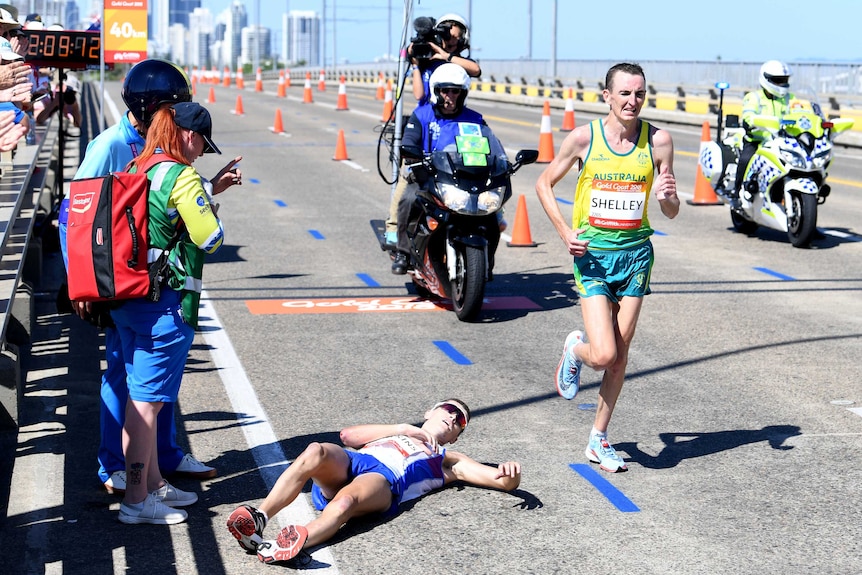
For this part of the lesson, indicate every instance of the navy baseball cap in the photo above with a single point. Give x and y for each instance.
(192, 116)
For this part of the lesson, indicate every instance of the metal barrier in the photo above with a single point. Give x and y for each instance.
(27, 186)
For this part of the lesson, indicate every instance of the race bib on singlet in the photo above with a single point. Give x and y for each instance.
(617, 205)
(394, 452)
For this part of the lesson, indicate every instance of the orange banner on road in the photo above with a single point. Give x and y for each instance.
(358, 305)
(125, 31)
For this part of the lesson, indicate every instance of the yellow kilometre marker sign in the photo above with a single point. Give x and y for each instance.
(125, 31)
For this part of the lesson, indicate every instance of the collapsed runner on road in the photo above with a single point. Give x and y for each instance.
(392, 464)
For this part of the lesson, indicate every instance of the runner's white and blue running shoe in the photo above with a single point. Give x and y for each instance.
(601, 452)
(569, 370)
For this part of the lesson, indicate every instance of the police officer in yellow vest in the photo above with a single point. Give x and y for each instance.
(773, 99)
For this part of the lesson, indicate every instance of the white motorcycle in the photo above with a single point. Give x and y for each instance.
(786, 178)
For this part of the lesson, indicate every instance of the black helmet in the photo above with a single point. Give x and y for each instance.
(151, 83)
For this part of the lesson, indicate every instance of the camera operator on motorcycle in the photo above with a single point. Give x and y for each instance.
(772, 99)
(430, 128)
(436, 43)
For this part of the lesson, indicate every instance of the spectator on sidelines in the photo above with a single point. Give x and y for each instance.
(149, 85)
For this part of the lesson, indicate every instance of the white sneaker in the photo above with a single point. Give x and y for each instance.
(116, 483)
(191, 467)
(173, 497)
(154, 512)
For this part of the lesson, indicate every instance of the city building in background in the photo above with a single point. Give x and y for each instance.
(255, 42)
(301, 43)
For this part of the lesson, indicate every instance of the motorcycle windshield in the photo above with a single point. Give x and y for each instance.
(472, 174)
(476, 159)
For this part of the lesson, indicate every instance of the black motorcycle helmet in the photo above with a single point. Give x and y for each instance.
(151, 83)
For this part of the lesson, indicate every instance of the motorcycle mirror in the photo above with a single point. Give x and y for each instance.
(525, 157)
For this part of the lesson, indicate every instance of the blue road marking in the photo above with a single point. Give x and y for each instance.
(658, 233)
(775, 274)
(567, 202)
(316, 235)
(368, 280)
(254, 180)
(614, 495)
(280, 203)
(453, 353)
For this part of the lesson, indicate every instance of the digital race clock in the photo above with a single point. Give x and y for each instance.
(69, 49)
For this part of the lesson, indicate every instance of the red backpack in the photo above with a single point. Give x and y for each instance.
(107, 236)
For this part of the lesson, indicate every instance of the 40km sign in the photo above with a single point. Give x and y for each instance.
(125, 31)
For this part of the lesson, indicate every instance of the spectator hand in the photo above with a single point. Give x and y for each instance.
(10, 132)
(19, 93)
(12, 74)
(228, 176)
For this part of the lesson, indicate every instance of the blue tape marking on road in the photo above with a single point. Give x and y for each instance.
(280, 203)
(254, 180)
(614, 495)
(453, 353)
(316, 235)
(775, 274)
(368, 280)
(567, 202)
(658, 233)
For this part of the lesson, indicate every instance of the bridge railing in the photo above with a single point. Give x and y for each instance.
(25, 179)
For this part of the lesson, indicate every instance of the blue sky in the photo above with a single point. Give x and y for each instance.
(735, 30)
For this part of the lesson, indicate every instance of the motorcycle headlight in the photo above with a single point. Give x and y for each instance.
(492, 200)
(455, 199)
(793, 158)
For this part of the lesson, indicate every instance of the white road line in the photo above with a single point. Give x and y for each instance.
(259, 435)
(856, 410)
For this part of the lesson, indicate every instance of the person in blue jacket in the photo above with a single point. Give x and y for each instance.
(148, 86)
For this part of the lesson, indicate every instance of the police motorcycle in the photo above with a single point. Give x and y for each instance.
(454, 231)
(785, 180)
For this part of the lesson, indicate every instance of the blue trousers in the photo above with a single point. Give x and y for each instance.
(112, 413)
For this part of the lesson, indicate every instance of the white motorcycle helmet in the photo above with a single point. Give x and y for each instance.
(775, 78)
(464, 42)
(449, 76)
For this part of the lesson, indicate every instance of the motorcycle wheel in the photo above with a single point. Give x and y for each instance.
(801, 227)
(468, 287)
(741, 225)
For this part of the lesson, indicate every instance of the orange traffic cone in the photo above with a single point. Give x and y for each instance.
(226, 77)
(211, 98)
(381, 87)
(387, 102)
(321, 82)
(569, 114)
(306, 92)
(282, 92)
(194, 85)
(214, 78)
(704, 195)
(340, 148)
(258, 81)
(286, 78)
(240, 82)
(342, 96)
(277, 126)
(546, 137)
(238, 109)
(521, 237)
